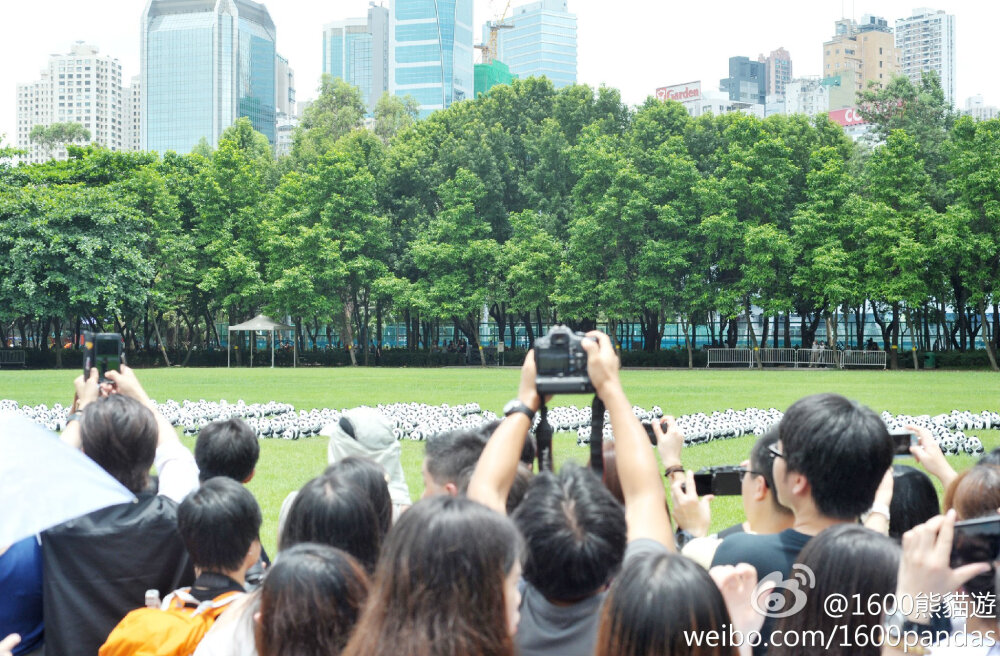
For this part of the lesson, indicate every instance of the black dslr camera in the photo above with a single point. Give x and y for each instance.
(723, 480)
(561, 363)
(104, 351)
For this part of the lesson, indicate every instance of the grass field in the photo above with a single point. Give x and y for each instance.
(286, 465)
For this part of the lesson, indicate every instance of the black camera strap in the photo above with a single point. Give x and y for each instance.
(597, 436)
(543, 439)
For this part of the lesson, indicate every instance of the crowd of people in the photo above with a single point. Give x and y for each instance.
(496, 558)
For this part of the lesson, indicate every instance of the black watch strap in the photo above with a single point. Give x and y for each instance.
(516, 405)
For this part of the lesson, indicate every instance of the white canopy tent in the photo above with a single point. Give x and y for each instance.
(261, 323)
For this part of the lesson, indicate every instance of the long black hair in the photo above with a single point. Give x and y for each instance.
(655, 605)
(439, 585)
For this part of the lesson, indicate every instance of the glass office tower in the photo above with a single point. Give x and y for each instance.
(541, 41)
(357, 51)
(431, 51)
(204, 64)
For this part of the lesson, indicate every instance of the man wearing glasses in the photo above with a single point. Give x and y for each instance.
(829, 459)
(764, 514)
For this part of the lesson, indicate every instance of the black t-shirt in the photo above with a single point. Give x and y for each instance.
(775, 552)
(732, 530)
(210, 585)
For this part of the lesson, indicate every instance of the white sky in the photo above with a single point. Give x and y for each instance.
(635, 45)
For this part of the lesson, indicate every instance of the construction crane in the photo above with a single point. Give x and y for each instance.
(489, 49)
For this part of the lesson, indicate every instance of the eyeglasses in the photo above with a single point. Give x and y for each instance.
(742, 471)
(774, 452)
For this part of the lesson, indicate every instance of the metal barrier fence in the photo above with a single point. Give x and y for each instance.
(864, 359)
(11, 357)
(797, 358)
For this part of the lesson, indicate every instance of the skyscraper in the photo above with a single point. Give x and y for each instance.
(541, 41)
(926, 42)
(430, 51)
(132, 115)
(747, 81)
(779, 71)
(80, 87)
(284, 87)
(859, 53)
(357, 51)
(204, 64)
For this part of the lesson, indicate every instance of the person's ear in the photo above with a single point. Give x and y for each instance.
(451, 489)
(760, 488)
(250, 477)
(253, 555)
(800, 485)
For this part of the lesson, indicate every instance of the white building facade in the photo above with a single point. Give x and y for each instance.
(132, 115)
(807, 95)
(81, 87)
(977, 108)
(926, 42)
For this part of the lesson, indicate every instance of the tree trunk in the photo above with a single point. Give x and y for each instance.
(765, 329)
(788, 330)
(831, 337)
(348, 335)
(159, 341)
(987, 339)
(753, 336)
(57, 332)
(894, 331)
(528, 329)
(687, 343)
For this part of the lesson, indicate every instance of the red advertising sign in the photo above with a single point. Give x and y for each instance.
(846, 117)
(687, 92)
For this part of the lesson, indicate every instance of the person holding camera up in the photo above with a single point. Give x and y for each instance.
(575, 532)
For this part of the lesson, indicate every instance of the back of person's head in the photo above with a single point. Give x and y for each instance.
(219, 522)
(990, 458)
(655, 603)
(227, 448)
(442, 583)
(370, 478)
(309, 602)
(330, 511)
(450, 458)
(842, 448)
(914, 500)
(976, 493)
(846, 560)
(519, 488)
(120, 435)
(575, 534)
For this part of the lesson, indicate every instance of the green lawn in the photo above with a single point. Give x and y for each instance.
(285, 465)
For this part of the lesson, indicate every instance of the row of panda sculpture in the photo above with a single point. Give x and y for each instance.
(417, 421)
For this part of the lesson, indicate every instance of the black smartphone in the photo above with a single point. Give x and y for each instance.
(104, 351)
(724, 481)
(902, 441)
(976, 541)
(651, 433)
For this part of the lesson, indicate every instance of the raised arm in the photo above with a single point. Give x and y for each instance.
(645, 500)
(497, 466)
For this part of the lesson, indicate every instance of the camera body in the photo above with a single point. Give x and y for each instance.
(724, 480)
(104, 351)
(902, 441)
(561, 363)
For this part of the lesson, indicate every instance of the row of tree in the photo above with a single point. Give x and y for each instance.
(564, 205)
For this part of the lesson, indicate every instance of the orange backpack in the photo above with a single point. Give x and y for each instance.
(174, 629)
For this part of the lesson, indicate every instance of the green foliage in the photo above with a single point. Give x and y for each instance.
(58, 134)
(536, 204)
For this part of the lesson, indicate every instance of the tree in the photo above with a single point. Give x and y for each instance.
(975, 165)
(456, 256)
(58, 134)
(71, 251)
(923, 113)
(338, 110)
(393, 114)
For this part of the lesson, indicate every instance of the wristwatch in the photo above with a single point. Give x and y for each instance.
(74, 416)
(880, 509)
(515, 405)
